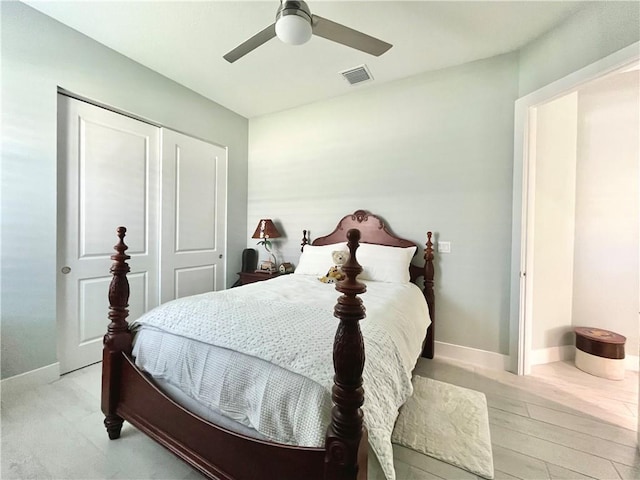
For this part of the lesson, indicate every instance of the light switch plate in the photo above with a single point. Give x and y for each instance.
(444, 247)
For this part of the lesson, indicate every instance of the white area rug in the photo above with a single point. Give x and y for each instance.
(449, 423)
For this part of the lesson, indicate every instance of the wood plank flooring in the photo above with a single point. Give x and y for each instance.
(558, 423)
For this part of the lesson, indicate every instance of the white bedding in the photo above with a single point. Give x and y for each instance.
(285, 328)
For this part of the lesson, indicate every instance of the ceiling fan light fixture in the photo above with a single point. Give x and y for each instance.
(295, 25)
(293, 29)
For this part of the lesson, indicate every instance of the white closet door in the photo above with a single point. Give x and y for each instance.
(108, 175)
(194, 193)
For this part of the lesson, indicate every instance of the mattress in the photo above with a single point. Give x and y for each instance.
(261, 355)
(254, 393)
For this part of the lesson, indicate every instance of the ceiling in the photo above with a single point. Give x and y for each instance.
(185, 41)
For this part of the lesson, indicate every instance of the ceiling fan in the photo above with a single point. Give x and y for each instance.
(295, 24)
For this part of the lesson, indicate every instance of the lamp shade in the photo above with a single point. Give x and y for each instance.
(293, 29)
(266, 229)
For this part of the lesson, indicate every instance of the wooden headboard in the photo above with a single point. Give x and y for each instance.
(373, 230)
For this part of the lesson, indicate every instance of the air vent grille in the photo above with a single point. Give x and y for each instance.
(357, 75)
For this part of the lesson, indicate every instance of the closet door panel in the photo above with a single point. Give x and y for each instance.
(194, 178)
(108, 176)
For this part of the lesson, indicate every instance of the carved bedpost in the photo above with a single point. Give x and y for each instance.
(346, 440)
(429, 345)
(305, 240)
(118, 338)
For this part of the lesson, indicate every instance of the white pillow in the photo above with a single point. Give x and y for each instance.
(385, 264)
(317, 260)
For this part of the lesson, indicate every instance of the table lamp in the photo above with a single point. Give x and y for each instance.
(266, 231)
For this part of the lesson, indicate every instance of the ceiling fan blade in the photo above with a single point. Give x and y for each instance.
(348, 36)
(254, 42)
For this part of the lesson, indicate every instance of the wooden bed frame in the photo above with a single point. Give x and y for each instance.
(129, 394)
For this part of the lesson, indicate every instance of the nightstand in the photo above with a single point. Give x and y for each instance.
(251, 277)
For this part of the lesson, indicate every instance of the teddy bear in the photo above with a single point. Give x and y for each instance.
(335, 273)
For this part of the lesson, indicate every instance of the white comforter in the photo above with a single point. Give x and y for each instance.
(289, 322)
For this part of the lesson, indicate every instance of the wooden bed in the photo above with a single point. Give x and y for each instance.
(128, 394)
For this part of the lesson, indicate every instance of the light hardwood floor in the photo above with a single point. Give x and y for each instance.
(558, 423)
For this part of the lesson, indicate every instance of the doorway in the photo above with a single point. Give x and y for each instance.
(523, 203)
(583, 230)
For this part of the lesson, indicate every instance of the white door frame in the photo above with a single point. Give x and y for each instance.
(520, 324)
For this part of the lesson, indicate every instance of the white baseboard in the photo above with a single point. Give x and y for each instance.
(32, 379)
(480, 358)
(562, 353)
(568, 352)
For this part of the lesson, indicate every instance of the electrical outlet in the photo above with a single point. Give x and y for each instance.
(444, 247)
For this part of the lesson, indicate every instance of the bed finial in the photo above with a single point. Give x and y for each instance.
(305, 240)
(118, 338)
(118, 293)
(346, 441)
(429, 345)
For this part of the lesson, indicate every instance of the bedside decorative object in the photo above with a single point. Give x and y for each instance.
(286, 267)
(600, 352)
(265, 231)
(267, 266)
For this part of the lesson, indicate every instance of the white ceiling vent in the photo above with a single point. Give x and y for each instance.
(357, 75)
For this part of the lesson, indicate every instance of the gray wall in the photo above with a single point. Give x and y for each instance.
(38, 56)
(430, 152)
(595, 31)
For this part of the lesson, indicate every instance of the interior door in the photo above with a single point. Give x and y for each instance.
(108, 175)
(194, 196)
